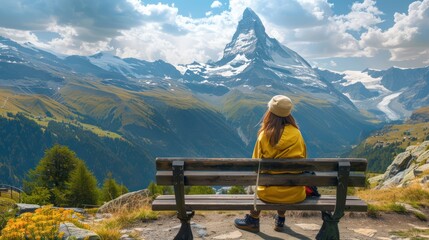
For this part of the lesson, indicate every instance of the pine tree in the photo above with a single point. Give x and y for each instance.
(111, 189)
(53, 172)
(82, 186)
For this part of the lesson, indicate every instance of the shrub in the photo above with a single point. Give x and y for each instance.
(8, 209)
(42, 224)
(237, 190)
(201, 190)
(39, 195)
(156, 190)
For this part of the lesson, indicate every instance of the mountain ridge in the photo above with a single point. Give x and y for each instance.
(209, 110)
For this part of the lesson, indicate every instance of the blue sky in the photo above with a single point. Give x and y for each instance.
(338, 35)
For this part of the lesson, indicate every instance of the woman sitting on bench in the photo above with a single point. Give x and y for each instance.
(278, 137)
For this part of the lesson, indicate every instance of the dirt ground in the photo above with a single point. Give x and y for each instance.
(215, 225)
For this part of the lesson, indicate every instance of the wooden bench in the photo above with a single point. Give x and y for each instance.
(181, 172)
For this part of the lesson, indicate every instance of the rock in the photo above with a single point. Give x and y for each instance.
(423, 157)
(376, 179)
(24, 207)
(418, 227)
(420, 149)
(129, 200)
(72, 232)
(421, 169)
(126, 237)
(365, 231)
(408, 175)
(407, 168)
(399, 164)
(425, 179)
(200, 229)
(309, 227)
(393, 181)
(231, 235)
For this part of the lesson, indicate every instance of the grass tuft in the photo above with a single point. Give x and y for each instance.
(388, 199)
(125, 214)
(413, 234)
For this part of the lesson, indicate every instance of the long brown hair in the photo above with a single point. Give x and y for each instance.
(273, 126)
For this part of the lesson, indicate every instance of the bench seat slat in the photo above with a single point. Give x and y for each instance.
(246, 164)
(239, 203)
(229, 178)
(245, 197)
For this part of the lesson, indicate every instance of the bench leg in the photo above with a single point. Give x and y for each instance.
(329, 230)
(185, 232)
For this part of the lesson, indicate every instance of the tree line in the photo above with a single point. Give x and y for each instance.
(23, 143)
(62, 179)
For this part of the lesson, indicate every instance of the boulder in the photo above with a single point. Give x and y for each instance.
(406, 168)
(376, 180)
(72, 232)
(131, 200)
(24, 207)
(423, 147)
(421, 169)
(400, 163)
(423, 157)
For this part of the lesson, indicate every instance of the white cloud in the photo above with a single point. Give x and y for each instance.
(216, 4)
(204, 39)
(158, 31)
(407, 39)
(363, 16)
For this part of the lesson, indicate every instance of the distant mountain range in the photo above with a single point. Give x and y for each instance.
(390, 94)
(198, 109)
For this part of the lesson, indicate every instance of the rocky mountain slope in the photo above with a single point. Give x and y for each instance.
(410, 166)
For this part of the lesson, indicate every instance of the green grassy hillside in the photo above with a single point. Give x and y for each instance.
(115, 130)
(383, 145)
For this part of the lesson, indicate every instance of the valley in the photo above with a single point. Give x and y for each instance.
(135, 110)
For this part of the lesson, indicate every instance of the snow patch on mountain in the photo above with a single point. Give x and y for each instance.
(108, 61)
(369, 82)
(245, 42)
(234, 67)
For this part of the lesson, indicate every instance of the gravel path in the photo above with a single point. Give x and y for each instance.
(218, 225)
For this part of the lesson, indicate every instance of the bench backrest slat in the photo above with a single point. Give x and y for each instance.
(212, 178)
(246, 164)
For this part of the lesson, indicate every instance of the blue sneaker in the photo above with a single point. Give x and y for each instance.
(248, 223)
(280, 223)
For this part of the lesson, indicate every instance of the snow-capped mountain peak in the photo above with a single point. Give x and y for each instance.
(250, 53)
(250, 35)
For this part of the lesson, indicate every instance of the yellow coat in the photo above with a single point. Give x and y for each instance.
(290, 145)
